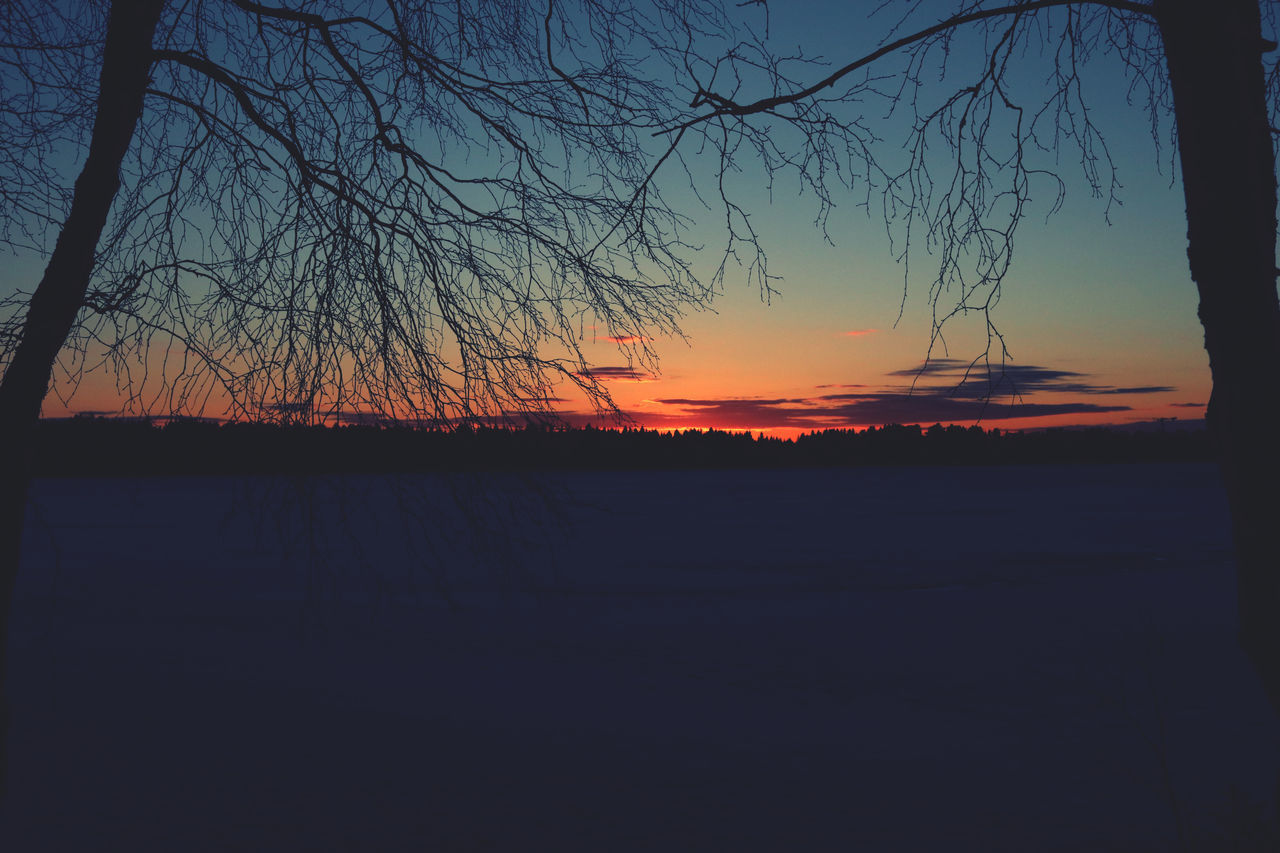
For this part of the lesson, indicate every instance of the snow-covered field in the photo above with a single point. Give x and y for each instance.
(1032, 658)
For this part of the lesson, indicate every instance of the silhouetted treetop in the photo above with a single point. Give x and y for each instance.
(412, 208)
(106, 446)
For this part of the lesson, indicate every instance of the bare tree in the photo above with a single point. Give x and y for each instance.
(975, 152)
(313, 210)
(413, 209)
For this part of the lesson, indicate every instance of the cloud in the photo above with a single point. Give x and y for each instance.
(934, 367)
(732, 401)
(839, 411)
(941, 394)
(1137, 389)
(1023, 375)
(616, 374)
(857, 333)
(1188, 405)
(737, 413)
(932, 407)
(626, 339)
(979, 381)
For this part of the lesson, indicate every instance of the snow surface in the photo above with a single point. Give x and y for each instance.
(1030, 658)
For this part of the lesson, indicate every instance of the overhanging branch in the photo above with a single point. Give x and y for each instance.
(727, 106)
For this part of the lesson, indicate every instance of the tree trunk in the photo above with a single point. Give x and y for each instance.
(1228, 175)
(126, 63)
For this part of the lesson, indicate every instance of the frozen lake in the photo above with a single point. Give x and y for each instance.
(1026, 658)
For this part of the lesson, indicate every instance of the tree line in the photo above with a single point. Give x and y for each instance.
(107, 447)
(417, 208)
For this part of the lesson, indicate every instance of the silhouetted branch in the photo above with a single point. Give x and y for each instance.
(976, 148)
(411, 210)
(727, 106)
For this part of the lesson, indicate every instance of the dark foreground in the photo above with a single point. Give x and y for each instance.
(1031, 658)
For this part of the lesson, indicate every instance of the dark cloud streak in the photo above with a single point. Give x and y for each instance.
(848, 410)
(958, 393)
(1019, 379)
(607, 374)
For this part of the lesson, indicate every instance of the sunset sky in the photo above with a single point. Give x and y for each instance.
(1099, 317)
(1100, 321)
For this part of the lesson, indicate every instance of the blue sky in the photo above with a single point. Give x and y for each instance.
(1102, 293)
(1098, 303)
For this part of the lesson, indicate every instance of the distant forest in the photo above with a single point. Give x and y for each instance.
(106, 446)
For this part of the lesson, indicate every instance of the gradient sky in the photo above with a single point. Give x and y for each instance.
(1099, 316)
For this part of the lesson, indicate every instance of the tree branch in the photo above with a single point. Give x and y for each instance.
(727, 106)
